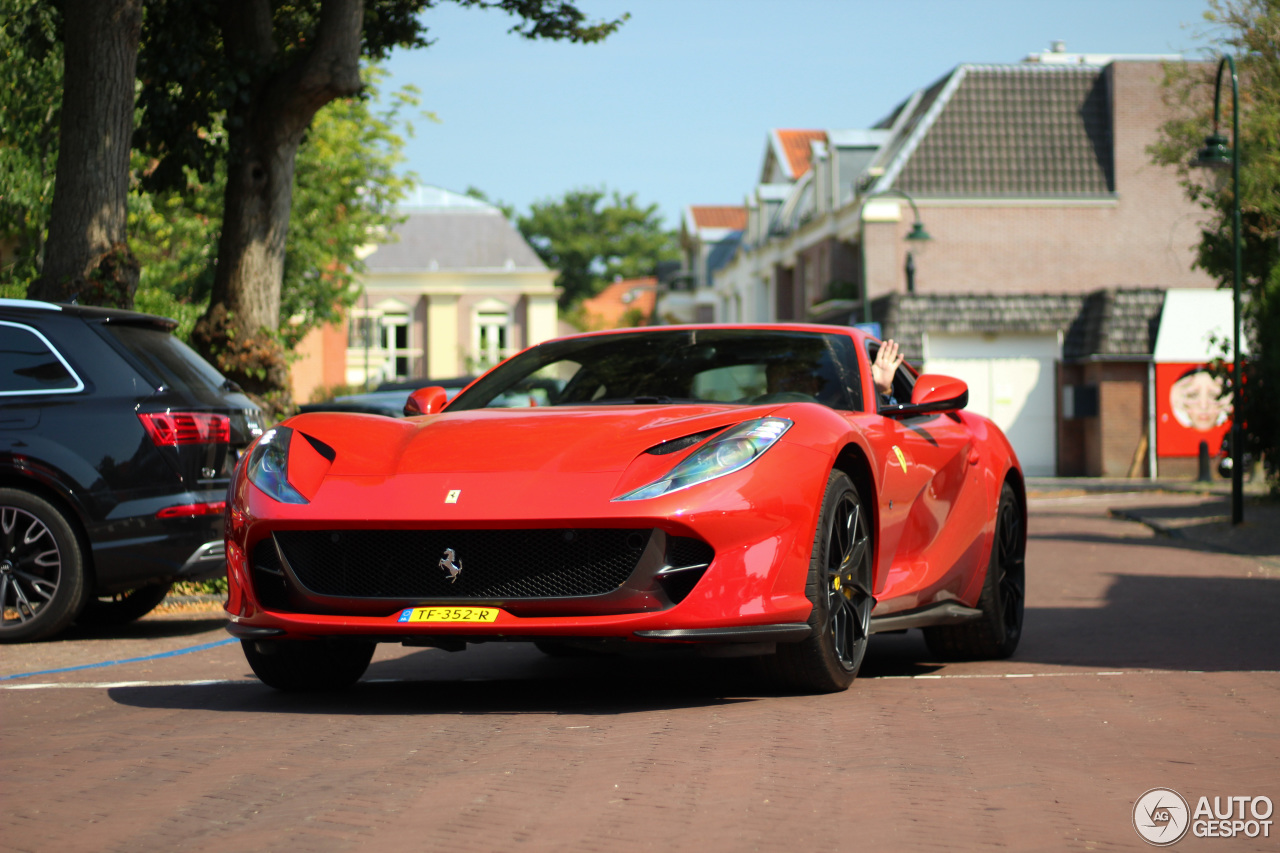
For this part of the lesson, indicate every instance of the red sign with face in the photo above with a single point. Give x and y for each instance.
(1191, 406)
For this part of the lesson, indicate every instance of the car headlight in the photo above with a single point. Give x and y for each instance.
(731, 450)
(269, 466)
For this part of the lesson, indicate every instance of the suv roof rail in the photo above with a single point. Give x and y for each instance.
(29, 303)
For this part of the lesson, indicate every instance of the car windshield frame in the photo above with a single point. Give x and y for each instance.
(716, 366)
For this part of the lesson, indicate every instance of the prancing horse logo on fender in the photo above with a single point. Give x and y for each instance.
(447, 563)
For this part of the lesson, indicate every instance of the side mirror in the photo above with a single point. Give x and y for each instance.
(932, 393)
(940, 393)
(426, 401)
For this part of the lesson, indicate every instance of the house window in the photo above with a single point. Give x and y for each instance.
(379, 347)
(361, 332)
(492, 337)
(395, 343)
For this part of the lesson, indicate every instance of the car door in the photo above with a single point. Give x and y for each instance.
(933, 507)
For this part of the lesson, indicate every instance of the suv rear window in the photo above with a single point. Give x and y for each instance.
(167, 360)
(30, 365)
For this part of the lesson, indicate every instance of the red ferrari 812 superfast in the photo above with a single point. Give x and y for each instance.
(743, 489)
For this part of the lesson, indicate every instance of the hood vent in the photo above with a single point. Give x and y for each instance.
(675, 445)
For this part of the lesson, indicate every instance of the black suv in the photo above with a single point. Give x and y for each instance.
(117, 442)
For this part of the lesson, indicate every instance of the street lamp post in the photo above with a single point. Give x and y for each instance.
(1216, 155)
(917, 237)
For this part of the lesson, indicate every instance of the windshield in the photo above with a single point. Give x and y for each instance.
(744, 366)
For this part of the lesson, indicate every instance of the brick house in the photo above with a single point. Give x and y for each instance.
(1054, 238)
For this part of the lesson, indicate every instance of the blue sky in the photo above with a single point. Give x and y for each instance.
(675, 106)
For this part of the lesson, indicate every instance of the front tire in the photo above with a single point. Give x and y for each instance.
(42, 568)
(308, 665)
(109, 611)
(995, 635)
(839, 587)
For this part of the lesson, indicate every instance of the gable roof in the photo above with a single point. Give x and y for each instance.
(790, 151)
(732, 217)
(1005, 131)
(455, 238)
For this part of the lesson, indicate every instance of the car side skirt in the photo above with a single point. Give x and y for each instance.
(789, 632)
(943, 613)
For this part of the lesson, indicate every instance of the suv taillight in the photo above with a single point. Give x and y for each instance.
(169, 429)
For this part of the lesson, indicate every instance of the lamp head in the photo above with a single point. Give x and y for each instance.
(1215, 154)
(918, 234)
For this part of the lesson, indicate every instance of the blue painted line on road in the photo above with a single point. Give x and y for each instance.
(101, 664)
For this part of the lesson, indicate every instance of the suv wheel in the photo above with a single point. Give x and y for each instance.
(42, 576)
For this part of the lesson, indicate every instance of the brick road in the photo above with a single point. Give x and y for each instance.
(1144, 664)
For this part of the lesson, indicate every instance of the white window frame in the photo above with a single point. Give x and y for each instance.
(490, 319)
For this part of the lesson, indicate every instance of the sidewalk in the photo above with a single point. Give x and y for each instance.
(1204, 520)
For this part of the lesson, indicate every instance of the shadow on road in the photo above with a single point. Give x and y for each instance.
(1134, 534)
(420, 684)
(1161, 622)
(1209, 524)
(1145, 622)
(145, 629)
(509, 678)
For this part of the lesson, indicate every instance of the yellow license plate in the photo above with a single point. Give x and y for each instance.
(449, 614)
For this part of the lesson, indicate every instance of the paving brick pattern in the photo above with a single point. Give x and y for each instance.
(1128, 678)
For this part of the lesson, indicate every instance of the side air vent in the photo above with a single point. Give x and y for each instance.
(268, 576)
(687, 561)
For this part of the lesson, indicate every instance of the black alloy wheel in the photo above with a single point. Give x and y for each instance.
(839, 585)
(42, 583)
(996, 633)
(848, 582)
(1011, 544)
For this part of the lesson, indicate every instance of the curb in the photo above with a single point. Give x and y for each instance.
(1180, 531)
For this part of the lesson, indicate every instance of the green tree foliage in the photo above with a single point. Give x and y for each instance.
(345, 192)
(346, 189)
(593, 237)
(227, 92)
(1250, 31)
(345, 195)
(260, 69)
(191, 79)
(30, 104)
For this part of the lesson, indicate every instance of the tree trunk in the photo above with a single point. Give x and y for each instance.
(87, 257)
(239, 332)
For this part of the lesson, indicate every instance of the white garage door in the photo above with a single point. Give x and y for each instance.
(1011, 381)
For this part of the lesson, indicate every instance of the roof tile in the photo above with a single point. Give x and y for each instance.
(1111, 322)
(451, 239)
(1018, 131)
(719, 216)
(795, 145)
(610, 307)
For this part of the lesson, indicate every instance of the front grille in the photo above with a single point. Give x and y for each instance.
(683, 551)
(495, 564)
